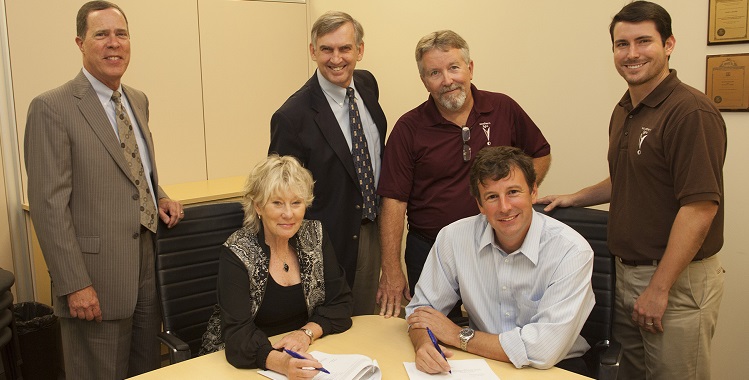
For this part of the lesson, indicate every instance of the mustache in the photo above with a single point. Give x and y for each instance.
(453, 86)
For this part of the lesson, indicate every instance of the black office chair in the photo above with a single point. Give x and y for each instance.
(186, 273)
(605, 354)
(10, 352)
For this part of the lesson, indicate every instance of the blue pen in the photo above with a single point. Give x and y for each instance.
(295, 355)
(437, 346)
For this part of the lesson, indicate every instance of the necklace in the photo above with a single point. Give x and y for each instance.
(285, 266)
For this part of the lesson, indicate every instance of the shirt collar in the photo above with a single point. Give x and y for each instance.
(102, 91)
(531, 243)
(337, 93)
(657, 96)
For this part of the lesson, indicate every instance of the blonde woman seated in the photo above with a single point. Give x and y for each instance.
(278, 274)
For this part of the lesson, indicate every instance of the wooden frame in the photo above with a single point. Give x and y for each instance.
(728, 22)
(727, 81)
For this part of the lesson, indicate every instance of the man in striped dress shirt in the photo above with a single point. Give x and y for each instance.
(523, 277)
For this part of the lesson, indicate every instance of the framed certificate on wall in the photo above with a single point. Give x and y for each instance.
(728, 22)
(727, 81)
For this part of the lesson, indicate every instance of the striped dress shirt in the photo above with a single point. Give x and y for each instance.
(536, 298)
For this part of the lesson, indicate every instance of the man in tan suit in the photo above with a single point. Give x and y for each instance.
(91, 182)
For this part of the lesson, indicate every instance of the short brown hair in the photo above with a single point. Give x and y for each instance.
(81, 20)
(495, 163)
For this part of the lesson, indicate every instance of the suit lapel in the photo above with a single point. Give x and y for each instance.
(98, 121)
(328, 125)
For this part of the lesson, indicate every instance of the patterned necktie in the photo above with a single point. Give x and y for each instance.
(132, 156)
(362, 161)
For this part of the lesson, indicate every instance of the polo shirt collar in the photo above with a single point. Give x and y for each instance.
(481, 105)
(658, 95)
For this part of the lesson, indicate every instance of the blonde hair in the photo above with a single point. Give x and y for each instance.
(274, 175)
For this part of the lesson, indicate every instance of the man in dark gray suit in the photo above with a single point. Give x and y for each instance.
(314, 126)
(93, 197)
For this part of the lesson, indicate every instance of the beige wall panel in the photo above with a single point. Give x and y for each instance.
(165, 64)
(6, 252)
(555, 59)
(254, 57)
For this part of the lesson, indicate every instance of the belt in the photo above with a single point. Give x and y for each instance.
(635, 263)
(421, 236)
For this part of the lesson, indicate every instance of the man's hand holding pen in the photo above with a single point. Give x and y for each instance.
(430, 356)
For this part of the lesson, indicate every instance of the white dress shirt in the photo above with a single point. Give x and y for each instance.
(336, 96)
(536, 298)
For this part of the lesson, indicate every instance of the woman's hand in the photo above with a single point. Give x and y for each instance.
(293, 368)
(302, 368)
(296, 341)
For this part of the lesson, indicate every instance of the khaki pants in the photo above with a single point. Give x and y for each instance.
(682, 351)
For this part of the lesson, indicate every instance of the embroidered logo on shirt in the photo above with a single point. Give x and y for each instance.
(486, 126)
(643, 135)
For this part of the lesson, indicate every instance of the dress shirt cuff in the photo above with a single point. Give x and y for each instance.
(513, 345)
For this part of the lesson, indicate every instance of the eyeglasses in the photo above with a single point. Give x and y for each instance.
(466, 134)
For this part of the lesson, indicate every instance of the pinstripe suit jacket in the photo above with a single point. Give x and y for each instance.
(82, 199)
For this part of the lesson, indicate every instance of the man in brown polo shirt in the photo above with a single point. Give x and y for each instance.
(667, 145)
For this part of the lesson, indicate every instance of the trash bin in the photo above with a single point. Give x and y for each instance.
(39, 339)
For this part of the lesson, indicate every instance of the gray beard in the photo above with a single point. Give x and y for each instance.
(453, 103)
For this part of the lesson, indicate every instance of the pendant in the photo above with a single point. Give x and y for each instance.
(285, 267)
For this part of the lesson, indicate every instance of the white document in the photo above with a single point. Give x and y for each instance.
(341, 367)
(468, 369)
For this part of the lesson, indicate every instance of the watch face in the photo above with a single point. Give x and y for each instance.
(466, 333)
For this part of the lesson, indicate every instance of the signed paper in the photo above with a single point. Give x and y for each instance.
(469, 369)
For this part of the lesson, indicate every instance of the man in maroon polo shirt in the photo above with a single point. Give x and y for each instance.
(667, 145)
(429, 153)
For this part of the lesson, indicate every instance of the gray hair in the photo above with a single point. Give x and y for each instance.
(330, 22)
(443, 40)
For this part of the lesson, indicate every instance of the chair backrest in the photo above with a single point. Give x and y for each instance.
(187, 267)
(592, 225)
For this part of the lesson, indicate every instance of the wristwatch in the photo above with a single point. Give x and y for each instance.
(308, 332)
(465, 335)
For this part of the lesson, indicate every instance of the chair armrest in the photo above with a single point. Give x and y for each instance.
(610, 356)
(178, 350)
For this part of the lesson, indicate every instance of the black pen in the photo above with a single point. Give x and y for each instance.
(436, 345)
(296, 355)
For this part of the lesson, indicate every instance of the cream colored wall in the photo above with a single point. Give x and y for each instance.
(214, 71)
(554, 58)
